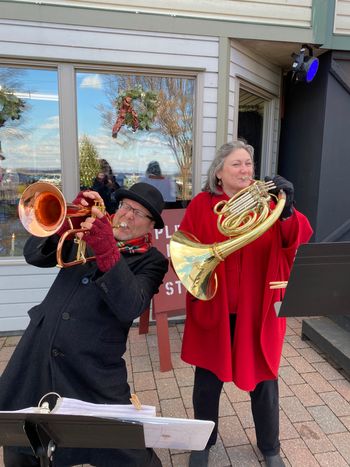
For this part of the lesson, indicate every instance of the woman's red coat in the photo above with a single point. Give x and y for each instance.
(243, 288)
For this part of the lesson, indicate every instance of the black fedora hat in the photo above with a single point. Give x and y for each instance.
(147, 195)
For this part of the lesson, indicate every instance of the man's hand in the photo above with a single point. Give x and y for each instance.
(85, 199)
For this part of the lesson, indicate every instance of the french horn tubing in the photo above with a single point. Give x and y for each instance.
(243, 218)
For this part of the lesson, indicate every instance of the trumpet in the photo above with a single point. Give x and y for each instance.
(244, 218)
(42, 211)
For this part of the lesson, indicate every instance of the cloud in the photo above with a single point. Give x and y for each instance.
(91, 81)
(51, 123)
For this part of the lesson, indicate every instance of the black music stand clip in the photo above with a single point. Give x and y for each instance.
(47, 432)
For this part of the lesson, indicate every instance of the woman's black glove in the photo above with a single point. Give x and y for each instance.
(283, 184)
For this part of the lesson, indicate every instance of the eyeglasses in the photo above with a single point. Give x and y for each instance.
(136, 212)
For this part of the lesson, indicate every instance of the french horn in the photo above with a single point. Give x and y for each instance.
(243, 218)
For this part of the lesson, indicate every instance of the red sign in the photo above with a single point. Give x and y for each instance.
(172, 293)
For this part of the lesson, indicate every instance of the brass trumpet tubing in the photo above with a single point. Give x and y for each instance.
(42, 210)
(80, 257)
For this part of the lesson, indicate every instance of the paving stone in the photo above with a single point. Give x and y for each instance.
(231, 431)
(287, 430)
(244, 413)
(165, 458)
(317, 382)
(138, 348)
(168, 388)
(141, 363)
(311, 355)
(175, 345)
(296, 342)
(144, 380)
(327, 371)
(326, 419)
(289, 351)
(342, 442)
(184, 376)
(298, 453)
(306, 395)
(243, 456)
(314, 437)
(290, 376)
(345, 421)
(294, 410)
(6, 353)
(173, 408)
(218, 456)
(225, 406)
(178, 362)
(11, 341)
(300, 364)
(283, 389)
(331, 459)
(343, 387)
(235, 394)
(186, 394)
(336, 403)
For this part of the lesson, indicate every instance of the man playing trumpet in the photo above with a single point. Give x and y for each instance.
(76, 337)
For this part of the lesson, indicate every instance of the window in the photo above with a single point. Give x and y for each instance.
(158, 151)
(30, 148)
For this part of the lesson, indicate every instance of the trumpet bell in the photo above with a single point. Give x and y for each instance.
(42, 209)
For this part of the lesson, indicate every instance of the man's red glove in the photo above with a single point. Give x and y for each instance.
(100, 238)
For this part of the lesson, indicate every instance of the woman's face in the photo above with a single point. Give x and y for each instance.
(237, 172)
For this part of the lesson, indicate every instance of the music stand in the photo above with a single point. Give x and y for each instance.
(46, 432)
(319, 283)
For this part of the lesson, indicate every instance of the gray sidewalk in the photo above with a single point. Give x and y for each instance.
(314, 400)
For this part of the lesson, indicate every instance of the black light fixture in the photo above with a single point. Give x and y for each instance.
(304, 67)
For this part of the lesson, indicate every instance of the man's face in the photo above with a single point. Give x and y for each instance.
(131, 220)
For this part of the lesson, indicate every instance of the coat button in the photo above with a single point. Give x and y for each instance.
(85, 280)
(66, 315)
(55, 352)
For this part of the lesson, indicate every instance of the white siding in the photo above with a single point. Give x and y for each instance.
(281, 12)
(104, 47)
(21, 287)
(266, 78)
(342, 17)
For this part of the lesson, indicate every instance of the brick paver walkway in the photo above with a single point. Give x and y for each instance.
(314, 400)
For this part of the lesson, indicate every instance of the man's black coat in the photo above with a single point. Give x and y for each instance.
(77, 336)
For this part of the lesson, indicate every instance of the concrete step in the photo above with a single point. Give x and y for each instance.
(331, 338)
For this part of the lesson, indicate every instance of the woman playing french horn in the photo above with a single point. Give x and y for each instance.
(236, 336)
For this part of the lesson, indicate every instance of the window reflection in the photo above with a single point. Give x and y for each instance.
(165, 140)
(30, 149)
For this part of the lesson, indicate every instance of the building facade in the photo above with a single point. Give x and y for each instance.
(219, 68)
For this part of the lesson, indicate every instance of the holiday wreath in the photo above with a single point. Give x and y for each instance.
(136, 109)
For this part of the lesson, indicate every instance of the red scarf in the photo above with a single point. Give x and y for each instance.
(135, 245)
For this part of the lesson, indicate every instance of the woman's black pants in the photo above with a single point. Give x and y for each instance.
(264, 403)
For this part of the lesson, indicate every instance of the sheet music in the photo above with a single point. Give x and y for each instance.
(67, 406)
(159, 432)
